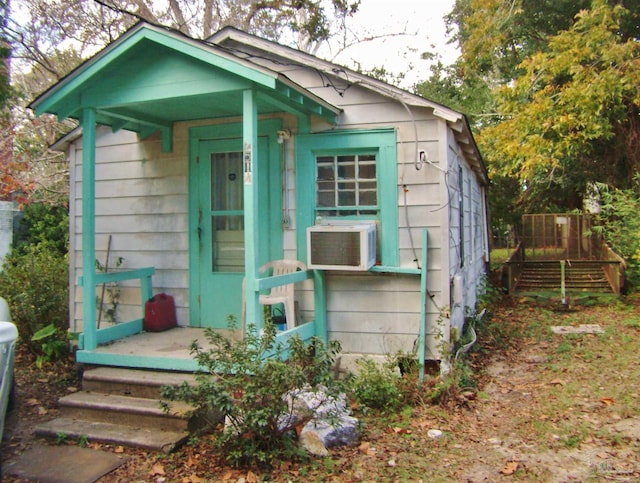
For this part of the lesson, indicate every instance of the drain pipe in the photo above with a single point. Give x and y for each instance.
(474, 337)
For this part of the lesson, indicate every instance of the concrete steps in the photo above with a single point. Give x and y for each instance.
(122, 406)
(579, 277)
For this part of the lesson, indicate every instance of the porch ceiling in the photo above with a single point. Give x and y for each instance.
(151, 78)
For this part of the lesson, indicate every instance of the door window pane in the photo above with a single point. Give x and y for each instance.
(227, 217)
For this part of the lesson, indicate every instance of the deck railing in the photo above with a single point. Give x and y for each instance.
(92, 336)
(315, 328)
(614, 267)
(515, 264)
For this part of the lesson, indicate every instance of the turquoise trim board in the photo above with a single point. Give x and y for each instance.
(139, 38)
(382, 142)
(251, 173)
(89, 227)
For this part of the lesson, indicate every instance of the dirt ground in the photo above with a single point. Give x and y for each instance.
(540, 407)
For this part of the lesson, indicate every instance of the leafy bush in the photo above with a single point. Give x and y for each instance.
(618, 222)
(251, 389)
(43, 225)
(377, 386)
(53, 345)
(34, 281)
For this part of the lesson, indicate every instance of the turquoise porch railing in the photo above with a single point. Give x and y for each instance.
(91, 336)
(314, 328)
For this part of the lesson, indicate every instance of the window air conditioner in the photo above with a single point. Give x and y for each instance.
(341, 247)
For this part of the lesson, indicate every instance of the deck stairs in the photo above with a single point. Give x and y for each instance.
(122, 407)
(579, 277)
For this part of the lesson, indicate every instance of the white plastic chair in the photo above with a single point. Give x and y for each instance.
(283, 294)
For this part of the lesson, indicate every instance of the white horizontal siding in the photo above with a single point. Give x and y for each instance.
(141, 202)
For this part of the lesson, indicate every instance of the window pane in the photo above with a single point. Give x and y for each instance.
(346, 198)
(228, 243)
(226, 181)
(368, 198)
(346, 171)
(326, 199)
(325, 172)
(343, 185)
(346, 159)
(326, 185)
(367, 171)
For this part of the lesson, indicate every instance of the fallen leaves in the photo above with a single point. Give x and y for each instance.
(192, 479)
(399, 430)
(366, 449)
(157, 470)
(509, 468)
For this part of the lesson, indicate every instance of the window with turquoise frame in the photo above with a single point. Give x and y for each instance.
(349, 175)
(346, 184)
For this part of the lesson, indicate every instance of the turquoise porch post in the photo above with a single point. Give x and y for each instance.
(250, 171)
(89, 228)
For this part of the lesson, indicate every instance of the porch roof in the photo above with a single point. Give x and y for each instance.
(152, 77)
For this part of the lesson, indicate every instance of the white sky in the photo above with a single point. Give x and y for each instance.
(421, 19)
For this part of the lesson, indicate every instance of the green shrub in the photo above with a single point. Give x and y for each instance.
(377, 386)
(34, 281)
(53, 344)
(249, 387)
(43, 225)
(618, 222)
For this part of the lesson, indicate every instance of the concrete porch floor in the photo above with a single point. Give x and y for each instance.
(173, 344)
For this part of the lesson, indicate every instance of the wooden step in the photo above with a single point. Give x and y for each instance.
(579, 277)
(116, 434)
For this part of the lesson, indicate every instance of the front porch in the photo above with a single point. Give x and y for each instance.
(169, 350)
(127, 345)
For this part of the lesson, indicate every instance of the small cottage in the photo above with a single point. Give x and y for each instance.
(199, 162)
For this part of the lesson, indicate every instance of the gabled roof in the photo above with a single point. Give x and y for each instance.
(232, 37)
(124, 82)
(151, 77)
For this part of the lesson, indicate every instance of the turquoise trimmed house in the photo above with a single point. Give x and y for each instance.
(196, 162)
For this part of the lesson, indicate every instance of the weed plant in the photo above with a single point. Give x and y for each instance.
(376, 386)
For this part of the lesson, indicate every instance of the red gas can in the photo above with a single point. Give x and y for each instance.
(159, 313)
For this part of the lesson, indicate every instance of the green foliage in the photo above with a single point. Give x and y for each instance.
(34, 281)
(53, 344)
(111, 292)
(83, 441)
(496, 35)
(448, 86)
(43, 225)
(447, 388)
(377, 386)
(562, 107)
(250, 387)
(570, 116)
(618, 222)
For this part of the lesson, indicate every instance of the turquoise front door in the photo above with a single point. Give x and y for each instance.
(220, 262)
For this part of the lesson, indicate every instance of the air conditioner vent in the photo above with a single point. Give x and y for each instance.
(341, 247)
